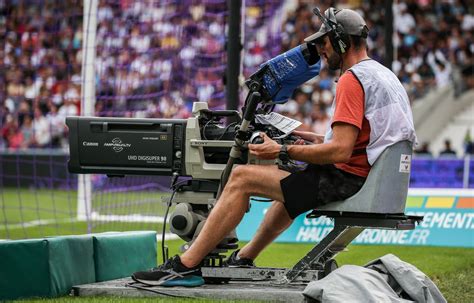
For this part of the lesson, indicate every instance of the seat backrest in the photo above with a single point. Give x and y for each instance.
(385, 189)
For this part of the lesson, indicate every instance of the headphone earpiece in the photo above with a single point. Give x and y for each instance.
(338, 37)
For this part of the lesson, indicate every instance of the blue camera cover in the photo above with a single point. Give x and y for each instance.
(288, 71)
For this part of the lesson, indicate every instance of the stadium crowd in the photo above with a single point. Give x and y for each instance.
(154, 58)
(40, 71)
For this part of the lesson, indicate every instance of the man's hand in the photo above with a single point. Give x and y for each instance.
(308, 136)
(267, 150)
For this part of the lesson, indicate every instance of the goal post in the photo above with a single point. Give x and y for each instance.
(84, 186)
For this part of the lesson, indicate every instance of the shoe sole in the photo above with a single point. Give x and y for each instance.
(188, 281)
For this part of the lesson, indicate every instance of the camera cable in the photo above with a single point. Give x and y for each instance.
(174, 186)
(155, 291)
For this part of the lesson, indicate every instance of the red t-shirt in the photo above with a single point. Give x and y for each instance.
(350, 109)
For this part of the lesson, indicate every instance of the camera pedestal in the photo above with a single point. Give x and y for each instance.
(319, 261)
(194, 200)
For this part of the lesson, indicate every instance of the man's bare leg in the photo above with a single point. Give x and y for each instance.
(245, 181)
(275, 222)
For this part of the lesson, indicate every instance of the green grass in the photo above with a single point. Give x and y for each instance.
(75, 228)
(32, 213)
(132, 300)
(24, 205)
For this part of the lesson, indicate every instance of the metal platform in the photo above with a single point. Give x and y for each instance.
(268, 274)
(254, 290)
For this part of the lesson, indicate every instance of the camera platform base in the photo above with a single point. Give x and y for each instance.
(268, 274)
(234, 290)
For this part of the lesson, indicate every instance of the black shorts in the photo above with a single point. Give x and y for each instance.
(317, 185)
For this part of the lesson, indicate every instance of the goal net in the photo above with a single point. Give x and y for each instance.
(135, 58)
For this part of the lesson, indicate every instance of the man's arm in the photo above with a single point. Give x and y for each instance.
(338, 150)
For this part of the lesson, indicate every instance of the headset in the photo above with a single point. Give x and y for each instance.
(339, 39)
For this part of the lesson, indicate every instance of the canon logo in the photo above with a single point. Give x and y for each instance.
(85, 143)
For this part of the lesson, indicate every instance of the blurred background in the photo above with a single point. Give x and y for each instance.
(154, 58)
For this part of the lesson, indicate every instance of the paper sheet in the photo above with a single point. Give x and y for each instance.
(282, 123)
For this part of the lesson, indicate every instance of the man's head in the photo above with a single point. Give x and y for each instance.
(447, 144)
(341, 31)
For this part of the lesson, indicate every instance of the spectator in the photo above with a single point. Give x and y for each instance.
(41, 129)
(404, 21)
(27, 132)
(9, 128)
(424, 150)
(441, 68)
(68, 108)
(304, 103)
(14, 137)
(56, 124)
(469, 148)
(320, 119)
(447, 149)
(468, 144)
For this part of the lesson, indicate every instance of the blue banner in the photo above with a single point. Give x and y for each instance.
(448, 221)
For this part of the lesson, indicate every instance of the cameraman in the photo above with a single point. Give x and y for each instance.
(371, 112)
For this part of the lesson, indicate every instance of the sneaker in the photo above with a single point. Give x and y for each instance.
(235, 261)
(171, 273)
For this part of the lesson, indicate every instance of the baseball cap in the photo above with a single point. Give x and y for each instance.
(352, 22)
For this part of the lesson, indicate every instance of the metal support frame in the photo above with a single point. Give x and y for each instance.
(312, 266)
(336, 241)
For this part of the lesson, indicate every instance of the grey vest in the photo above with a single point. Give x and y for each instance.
(387, 108)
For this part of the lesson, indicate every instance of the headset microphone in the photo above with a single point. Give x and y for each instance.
(342, 46)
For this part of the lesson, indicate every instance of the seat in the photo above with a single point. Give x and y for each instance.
(380, 203)
(385, 189)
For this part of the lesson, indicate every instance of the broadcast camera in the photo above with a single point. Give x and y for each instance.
(202, 149)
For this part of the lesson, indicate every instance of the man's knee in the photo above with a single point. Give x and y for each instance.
(239, 175)
(242, 179)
